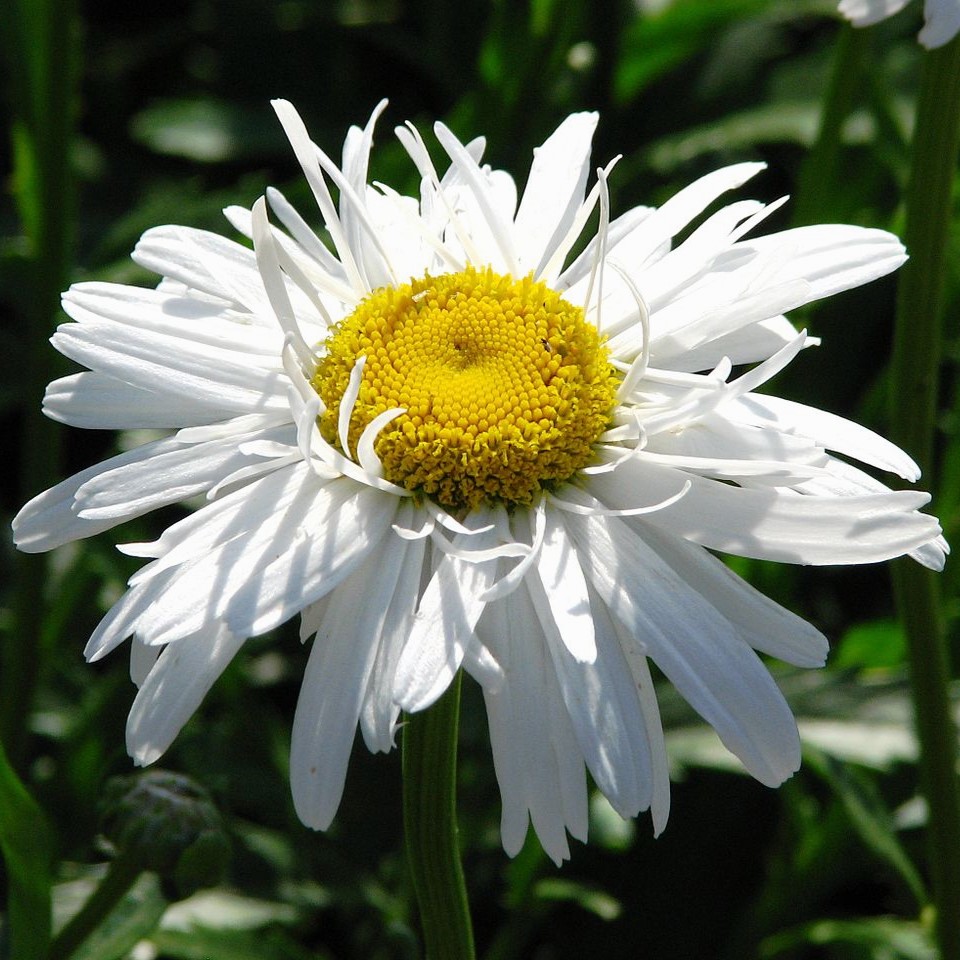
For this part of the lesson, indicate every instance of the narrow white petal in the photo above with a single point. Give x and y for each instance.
(278, 565)
(536, 757)
(94, 401)
(479, 186)
(697, 649)
(50, 519)
(655, 231)
(829, 257)
(205, 262)
(223, 520)
(443, 627)
(213, 375)
(142, 659)
(864, 13)
(305, 149)
(174, 689)
(942, 23)
(379, 713)
(602, 704)
(635, 654)
(566, 591)
(121, 619)
(750, 344)
(335, 682)
(765, 625)
(554, 190)
(772, 524)
(830, 431)
(168, 477)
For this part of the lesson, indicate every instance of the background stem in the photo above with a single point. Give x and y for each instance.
(42, 47)
(916, 365)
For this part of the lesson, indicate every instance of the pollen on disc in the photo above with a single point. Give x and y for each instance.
(506, 386)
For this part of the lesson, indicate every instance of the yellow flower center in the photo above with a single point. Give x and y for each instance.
(506, 386)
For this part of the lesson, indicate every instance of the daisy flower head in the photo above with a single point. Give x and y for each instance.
(941, 17)
(447, 442)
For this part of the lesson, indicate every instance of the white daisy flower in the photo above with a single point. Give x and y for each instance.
(942, 17)
(447, 442)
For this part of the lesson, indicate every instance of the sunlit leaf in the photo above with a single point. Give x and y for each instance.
(208, 131)
(587, 898)
(880, 938)
(869, 817)
(877, 644)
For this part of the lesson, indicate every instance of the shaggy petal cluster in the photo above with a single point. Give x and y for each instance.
(942, 17)
(556, 603)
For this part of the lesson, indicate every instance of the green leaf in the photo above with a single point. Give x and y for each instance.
(588, 898)
(882, 938)
(656, 43)
(219, 925)
(25, 843)
(207, 131)
(875, 645)
(869, 816)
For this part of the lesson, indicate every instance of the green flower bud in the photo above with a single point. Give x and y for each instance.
(170, 825)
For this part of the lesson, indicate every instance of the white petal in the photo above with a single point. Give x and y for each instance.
(554, 190)
(168, 477)
(306, 151)
(655, 231)
(97, 402)
(121, 619)
(535, 754)
(566, 591)
(479, 186)
(50, 520)
(772, 524)
(174, 689)
(864, 13)
(830, 257)
(698, 650)
(142, 659)
(602, 703)
(765, 625)
(379, 713)
(634, 653)
(182, 314)
(335, 682)
(750, 344)
(205, 262)
(830, 431)
(943, 22)
(443, 626)
(278, 564)
(213, 375)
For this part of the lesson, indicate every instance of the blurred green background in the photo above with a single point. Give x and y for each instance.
(174, 123)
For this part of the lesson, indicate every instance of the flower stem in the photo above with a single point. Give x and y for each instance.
(916, 363)
(430, 825)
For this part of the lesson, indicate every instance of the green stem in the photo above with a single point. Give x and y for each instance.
(820, 177)
(123, 873)
(916, 364)
(430, 825)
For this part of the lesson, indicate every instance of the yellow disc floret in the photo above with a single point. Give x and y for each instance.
(505, 385)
